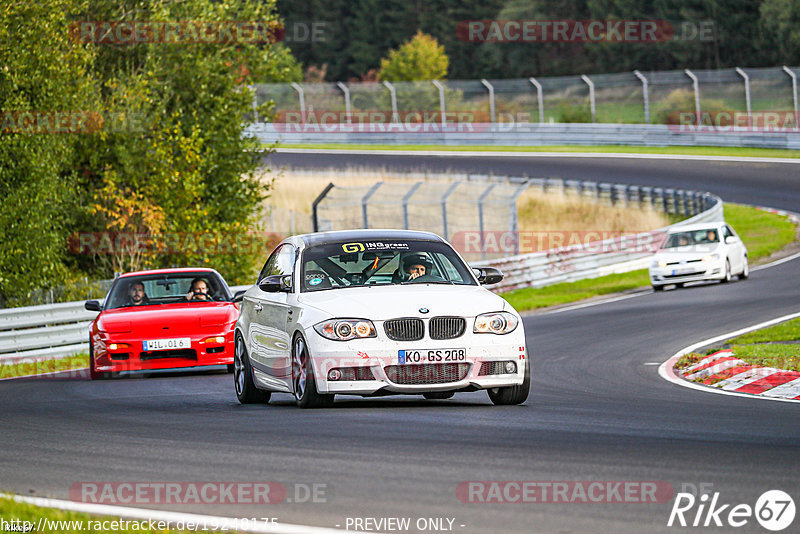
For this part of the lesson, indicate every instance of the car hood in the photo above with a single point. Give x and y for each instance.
(178, 316)
(387, 302)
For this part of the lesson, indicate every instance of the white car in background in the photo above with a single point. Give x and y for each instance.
(376, 312)
(697, 252)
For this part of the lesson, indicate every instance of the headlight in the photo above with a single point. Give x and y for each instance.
(711, 257)
(658, 263)
(495, 323)
(345, 329)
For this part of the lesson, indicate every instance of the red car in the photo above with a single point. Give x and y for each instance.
(162, 319)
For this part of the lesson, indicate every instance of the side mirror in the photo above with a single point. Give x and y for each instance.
(276, 283)
(93, 305)
(487, 275)
(237, 297)
(731, 240)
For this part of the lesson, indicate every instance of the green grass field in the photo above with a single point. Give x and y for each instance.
(604, 149)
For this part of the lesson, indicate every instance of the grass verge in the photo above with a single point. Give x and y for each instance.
(602, 149)
(28, 516)
(762, 232)
(38, 367)
(761, 348)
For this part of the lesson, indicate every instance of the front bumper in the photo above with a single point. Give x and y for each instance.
(133, 358)
(689, 272)
(388, 374)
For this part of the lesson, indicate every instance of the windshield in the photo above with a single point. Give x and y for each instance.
(149, 290)
(695, 237)
(386, 262)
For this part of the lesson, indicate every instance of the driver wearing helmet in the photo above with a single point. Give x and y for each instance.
(416, 265)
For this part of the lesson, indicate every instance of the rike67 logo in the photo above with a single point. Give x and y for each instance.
(774, 510)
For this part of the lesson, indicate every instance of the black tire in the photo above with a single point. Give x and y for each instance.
(512, 394)
(727, 277)
(94, 374)
(243, 384)
(304, 385)
(231, 367)
(439, 395)
(745, 270)
(658, 288)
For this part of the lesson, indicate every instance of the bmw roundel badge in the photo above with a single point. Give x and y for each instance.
(424, 310)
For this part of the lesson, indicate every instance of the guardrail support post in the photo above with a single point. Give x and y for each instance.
(444, 207)
(791, 73)
(365, 201)
(696, 86)
(646, 94)
(302, 95)
(320, 197)
(590, 83)
(406, 198)
(490, 87)
(480, 219)
(347, 110)
(746, 78)
(393, 93)
(539, 98)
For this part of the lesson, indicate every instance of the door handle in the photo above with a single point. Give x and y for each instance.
(258, 307)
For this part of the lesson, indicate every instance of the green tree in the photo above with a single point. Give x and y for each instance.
(421, 58)
(780, 20)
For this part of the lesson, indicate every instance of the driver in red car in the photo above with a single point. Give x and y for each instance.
(136, 294)
(198, 290)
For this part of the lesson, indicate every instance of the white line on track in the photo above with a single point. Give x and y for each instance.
(666, 372)
(498, 154)
(221, 523)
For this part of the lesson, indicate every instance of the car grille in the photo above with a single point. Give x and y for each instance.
(356, 373)
(447, 327)
(493, 368)
(681, 262)
(159, 354)
(682, 275)
(404, 329)
(429, 373)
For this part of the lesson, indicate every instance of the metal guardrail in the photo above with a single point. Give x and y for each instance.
(48, 331)
(532, 134)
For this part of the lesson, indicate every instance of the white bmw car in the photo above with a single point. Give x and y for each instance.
(376, 312)
(709, 251)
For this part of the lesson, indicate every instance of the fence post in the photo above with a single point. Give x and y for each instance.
(490, 87)
(514, 216)
(646, 95)
(539, 98)
(393, 93)
(744, 75)
(302, 95)
(314, 220)
(444, 207)
(480, 219)
(347, 110)
(406, 198)
(365, 201)
(791, 73)
(696, 86)
(255, 102)
(440, 87)
(590, 83)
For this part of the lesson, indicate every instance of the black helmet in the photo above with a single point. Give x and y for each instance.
(418, 258)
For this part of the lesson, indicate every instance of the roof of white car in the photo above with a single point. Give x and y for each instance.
(321, 238)
(696, 226)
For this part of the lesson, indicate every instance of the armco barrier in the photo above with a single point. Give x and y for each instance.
(48, 331)
(530, 134)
